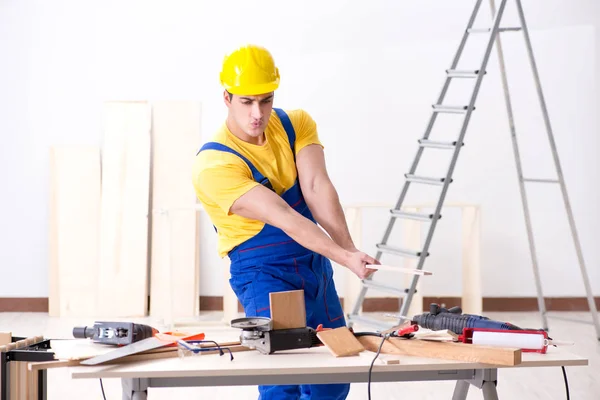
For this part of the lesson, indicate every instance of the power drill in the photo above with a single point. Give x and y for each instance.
(440, 318)
(115, 333)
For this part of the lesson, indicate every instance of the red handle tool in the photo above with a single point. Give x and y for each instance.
(407, 331)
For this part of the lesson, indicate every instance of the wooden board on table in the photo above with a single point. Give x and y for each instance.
(445, 350)
(74, 230)
(288, 309)
(70, 353)
(388, 361)
(174, 268)
(123, 272)
(340, 342)
(167, 352)
(40, 365)
(372, 343)
(82, 349)
(438, 336)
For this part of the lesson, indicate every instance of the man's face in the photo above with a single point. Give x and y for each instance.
(250, 113)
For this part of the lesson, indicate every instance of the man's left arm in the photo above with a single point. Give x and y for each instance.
(321, 196)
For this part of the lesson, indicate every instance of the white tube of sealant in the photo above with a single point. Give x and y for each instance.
(508, 339)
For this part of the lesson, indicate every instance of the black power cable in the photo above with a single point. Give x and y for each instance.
(102, 387)
(564, 371)
(566, 382)
(373, 362)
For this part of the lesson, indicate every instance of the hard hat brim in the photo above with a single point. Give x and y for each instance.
(253, 90)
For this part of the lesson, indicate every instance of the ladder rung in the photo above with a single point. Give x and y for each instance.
(510, 29)
(436, 144)
(425, 179)
(371, 322)
(412, 215)
(479, 30)
(384, 288)
(460, 73)
(398, 251)
(487, 30)
(540, 180)
(450, 109)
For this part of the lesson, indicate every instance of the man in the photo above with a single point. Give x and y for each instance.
(264, 184)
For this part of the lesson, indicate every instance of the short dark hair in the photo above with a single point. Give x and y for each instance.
(230, 95)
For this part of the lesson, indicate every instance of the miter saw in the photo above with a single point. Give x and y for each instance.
(258, 333)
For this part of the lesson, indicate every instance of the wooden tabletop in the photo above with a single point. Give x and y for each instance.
(303, 361)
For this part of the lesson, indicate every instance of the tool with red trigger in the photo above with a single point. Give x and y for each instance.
(406, 332)
(477, 329)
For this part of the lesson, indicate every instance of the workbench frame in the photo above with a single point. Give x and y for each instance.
(485, 379)
(313, 366)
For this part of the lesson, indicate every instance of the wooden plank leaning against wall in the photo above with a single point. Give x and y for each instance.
(174, 272)
(103, 235)
(74, 229)
(123, 272)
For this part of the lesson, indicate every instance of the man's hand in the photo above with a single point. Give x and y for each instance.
(324, 203)
(262, 204)
(357, 263)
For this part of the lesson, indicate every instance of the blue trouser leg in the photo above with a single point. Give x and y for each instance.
(313, 274)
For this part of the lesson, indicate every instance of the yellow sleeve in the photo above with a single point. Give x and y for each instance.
(305, 128)
(221, 178)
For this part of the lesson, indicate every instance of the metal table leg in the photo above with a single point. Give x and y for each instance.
(485, 379)
(461, 390)
(489, 391)
(135, 389)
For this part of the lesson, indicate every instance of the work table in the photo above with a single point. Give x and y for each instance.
(315, 365)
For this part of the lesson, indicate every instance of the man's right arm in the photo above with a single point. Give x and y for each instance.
(261, 204)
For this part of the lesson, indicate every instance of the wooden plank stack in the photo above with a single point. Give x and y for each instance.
(74, 229)
(107, 249)
(122, 276)
(174, 262)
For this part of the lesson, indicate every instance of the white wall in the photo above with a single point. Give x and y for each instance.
(368, 75)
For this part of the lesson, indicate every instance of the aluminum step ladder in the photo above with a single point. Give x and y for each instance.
(455, 146)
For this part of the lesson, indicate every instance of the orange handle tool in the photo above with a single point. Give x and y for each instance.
(173, 337)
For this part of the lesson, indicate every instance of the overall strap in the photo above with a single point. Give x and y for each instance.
(289, 128)
(258, 177)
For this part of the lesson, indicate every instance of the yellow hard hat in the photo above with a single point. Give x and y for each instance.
(249, 70)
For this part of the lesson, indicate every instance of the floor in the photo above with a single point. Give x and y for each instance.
(539, 383)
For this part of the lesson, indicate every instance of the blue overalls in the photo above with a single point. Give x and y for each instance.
(271, 261)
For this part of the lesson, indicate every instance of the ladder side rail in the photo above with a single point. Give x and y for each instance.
(442, 95)
(432, 119)
(447, 180)
(574, 233)
(522, 190)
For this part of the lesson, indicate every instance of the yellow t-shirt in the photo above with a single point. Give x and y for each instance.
(220, 178)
